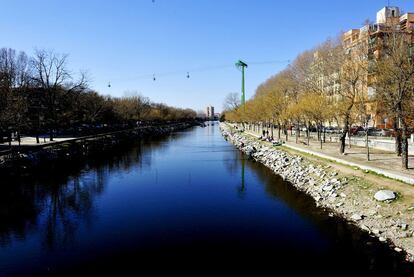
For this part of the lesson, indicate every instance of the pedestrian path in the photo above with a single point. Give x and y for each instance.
(381, 162)
(30, 141)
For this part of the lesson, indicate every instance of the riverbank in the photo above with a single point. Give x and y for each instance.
(343, 191)
(24, 161)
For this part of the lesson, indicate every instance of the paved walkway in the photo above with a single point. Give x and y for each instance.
(381, 162)
(30, 141)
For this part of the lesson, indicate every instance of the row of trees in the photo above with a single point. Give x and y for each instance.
(329, 85)
(39, 94)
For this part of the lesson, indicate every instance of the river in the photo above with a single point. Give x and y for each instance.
(188, 202)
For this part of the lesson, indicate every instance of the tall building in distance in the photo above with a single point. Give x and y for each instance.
(210, 112)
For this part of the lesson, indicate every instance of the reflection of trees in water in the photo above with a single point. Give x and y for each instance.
(68, 204)
(56, 201)
(242, 187)
(234, 162)
(281, 190)
(151, 144)
(231, 160)
(349, 240)
(18, 212)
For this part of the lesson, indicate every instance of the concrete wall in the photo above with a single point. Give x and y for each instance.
(381, 144)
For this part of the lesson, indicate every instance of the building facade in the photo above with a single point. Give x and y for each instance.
(371, 37)
(210, 112)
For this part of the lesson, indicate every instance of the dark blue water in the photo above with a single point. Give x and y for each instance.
(188, 202)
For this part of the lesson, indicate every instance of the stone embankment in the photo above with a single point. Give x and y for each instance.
(23, 162)
(343, 195)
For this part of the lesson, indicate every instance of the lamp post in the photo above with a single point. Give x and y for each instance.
(241, 65)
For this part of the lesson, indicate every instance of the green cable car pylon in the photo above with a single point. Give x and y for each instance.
(241, 65)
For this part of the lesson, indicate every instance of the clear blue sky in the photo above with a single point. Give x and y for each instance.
(126, 42)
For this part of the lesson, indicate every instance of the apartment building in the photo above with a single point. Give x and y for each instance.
(371, 35)
(210, 112)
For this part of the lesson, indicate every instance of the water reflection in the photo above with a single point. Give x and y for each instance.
(242, 187)
(352, 245)
(18, 212)
(57, 201)
(188, 198)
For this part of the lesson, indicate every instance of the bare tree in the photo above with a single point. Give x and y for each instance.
(231, 101)
(52, 76)
(14, 81)
(395, 83)
(349, 69)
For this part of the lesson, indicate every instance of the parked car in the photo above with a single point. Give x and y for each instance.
(336, 130)
(354, 130)
(386, 132)
(375, 132)
(329, 130)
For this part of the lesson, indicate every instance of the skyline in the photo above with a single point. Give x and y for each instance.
(127, 44)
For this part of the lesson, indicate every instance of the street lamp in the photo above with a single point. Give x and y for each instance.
(242, 65)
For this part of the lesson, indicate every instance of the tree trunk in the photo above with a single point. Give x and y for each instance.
(324, 135)
(398, 139)
(398, 149)
(296, 134)
(404, 138)
(367, 144)
(51, 134)
(320, 132)
(342, 137)
(342, 143)
(404, 148)
(286, 132)
(271, 129)
(279, 130)
(404, 153)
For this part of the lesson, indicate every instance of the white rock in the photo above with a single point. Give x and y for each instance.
(376, 231)
(383, 195)
(356, 217)
(327, 187)
(365, 228)
(397, 249)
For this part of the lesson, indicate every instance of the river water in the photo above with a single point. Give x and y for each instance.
(188, 202)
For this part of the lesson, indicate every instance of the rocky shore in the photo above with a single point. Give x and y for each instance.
(22, 163)
(381, 213)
